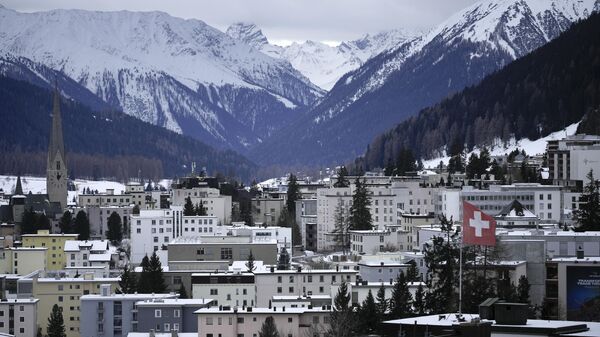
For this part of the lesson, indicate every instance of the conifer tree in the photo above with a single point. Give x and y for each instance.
(43, 222)
(28, 224)
(182, 292)
(156, 275)
(127, 282)
(412, 273)
(293, 194)
(523, 289)
(342, 181)
(115, 229)
(144, 282)
(283, 262)
(82, 226)
(188, 207)
(360, 214)
(588, 214)
(200, 210)
(368, 318)
(250, 263)
(382, 307)
(419, 302)
(341, 226)
(401, 301)
(56, 323)
(268, 328)
(342, 320)
(66, 223)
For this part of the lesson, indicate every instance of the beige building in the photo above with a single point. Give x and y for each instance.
(247, 322)
(22, 260)
(216, 248)
(66, 293)
(55, 258)
(267, 210)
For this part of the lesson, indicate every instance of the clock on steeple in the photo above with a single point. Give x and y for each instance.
(56, 172)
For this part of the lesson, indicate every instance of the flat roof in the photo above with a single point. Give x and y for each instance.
(119, 297)
(306, 271)
(273, 310)
(175, 302)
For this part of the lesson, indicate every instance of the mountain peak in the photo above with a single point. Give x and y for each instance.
(247, 32)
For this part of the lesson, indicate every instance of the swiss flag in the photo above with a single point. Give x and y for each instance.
(478, 228)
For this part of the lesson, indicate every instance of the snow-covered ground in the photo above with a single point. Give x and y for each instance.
(531, 147)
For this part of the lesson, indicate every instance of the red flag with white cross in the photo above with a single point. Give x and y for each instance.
(478, 228)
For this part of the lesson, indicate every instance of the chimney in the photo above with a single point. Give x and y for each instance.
(580, 252)
(272, 269)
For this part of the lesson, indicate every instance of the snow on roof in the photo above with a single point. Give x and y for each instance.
(271, 311)
(175, 301)
(104, 257)
(118, 297)
(93, 245)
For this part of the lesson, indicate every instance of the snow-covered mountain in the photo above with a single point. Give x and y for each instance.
(181, 74)
(321, 63)
(397, 83)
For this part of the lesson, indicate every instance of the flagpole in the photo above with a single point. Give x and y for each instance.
(460, 274)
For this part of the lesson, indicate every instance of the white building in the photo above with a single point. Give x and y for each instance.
(571, 159)
(226, 288)
(247, 322)
(93, 253)
(150, 230)
(199, 191)
(18, 317)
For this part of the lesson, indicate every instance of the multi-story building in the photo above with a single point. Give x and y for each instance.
(267, 210)
(93, 253)
(372, 241)
(66, 292)
(170, 314)
(247, 322)
(227, 248)
(108, 314)
(98, 217)
(297, 282)
(105, 199)
(226, 288)
(306, 218)
(55, 257)
(18, 317)
(570, 159)
(412, 197)
(410, 224)
(22, 260)
(199, 190)
(380, 271)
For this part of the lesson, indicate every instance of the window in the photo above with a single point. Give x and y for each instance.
(290, 320)
(315, 319)
(291, 289)
(157, 313)
(167, 327)
(176, 313)
(139, 230)
(60, 298)
(278, 279)
(176, 326)
(279, 290)
(214, 291)
(291, 279)
(21, 319)
(209, 321)
(240, 319)
(226, 254)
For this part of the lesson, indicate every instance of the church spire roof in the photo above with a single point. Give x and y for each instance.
(56, 135)
(19, 187)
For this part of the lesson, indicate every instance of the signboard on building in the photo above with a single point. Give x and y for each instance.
(583, 292)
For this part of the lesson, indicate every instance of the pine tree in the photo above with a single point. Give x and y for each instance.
(296, 234)
(268, 328)
(200, 209)
(360, 214)
(342, 181)
(412, 273)
(368, 319)
(144, 285)
(419, 302)
(127, 282)
(82, 226)
(135, 210)
(476, 289)
(293, 194)
(341, 227)
(156, 275)
(342, 320)
(588, 214)
(523, 289)
(56, 323)
(401, 301)
(182, 292)
(66, 223)
(188, 207)
(43, 222)
(28, 224)
(382, 307)
(115, 229)
(250, 263)
(284, 259)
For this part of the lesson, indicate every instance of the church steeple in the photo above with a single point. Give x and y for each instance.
(56, 171)
(19, 187)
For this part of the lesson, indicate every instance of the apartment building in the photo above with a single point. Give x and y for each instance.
(98, 217)
(297, 282)
(226, 288)
(22, 260)
(306, 218)
(570, 159)
(169, 314)
(246, 322)
(227, 248)
(18, 317)
(202, 190)
(55, 257)
(267, 210)
(108, 314)
(93, 253)
(66, 292)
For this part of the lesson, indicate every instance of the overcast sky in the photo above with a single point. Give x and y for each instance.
(282, 20)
